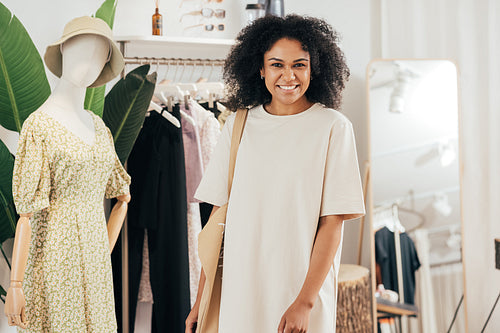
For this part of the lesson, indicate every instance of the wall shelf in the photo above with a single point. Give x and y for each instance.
(181, 41)
(174, 47)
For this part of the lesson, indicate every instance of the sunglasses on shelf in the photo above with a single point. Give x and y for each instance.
(207, 12)
(208, 27)
(206, 1)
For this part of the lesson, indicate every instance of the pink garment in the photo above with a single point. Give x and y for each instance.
(192, 154)
(145, 292)
(209, 129)
(193, 229)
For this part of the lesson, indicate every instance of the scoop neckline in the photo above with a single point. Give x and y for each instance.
(71, 133)
(274, 116)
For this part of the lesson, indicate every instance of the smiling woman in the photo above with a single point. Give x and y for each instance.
(295, 181)
(312, 39)
(287, 76)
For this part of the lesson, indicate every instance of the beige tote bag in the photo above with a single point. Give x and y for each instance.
(210, 242)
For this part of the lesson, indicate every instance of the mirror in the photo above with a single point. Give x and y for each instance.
(415, 194)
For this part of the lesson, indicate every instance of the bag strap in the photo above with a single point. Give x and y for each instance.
(239, 124)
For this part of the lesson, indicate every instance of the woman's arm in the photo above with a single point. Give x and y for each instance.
(296, 318)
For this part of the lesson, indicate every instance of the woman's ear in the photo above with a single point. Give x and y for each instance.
(261, 72)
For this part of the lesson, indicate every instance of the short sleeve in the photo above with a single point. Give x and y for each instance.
(31, 176)
(415, 261)
(213, 185)
(342, 190)
(119, 180)
(381, 254)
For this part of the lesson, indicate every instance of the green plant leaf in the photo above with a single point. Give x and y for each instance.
(94, 100)
(94, 97)
(3, 293)
(107, 12)
(23, 82)
(126, 106)
(7, 212)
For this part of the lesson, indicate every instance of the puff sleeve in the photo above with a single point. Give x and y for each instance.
(31, 176)
(119, 180)
(342, 190)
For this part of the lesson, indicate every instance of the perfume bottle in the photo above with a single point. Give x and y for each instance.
(157, 22)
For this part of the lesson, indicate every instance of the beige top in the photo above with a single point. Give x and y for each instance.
(290, 170)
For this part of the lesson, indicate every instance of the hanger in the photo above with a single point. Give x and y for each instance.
(221, 107)
(419, 215)
(207, 90)
(387, 216)
(191, 88)
(175, 92)
(166, 115)
(396, 223)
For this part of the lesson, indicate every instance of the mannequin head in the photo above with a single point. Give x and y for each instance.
(83, 58)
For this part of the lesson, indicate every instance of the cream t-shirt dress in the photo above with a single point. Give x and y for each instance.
(290, 170)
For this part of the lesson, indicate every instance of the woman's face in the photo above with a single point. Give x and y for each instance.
(287, 72)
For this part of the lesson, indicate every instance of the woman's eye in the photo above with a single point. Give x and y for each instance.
(299, 65)
(276, 64)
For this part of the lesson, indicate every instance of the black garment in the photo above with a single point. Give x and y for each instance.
(214, 110)
(205, 210)
(158, 190)
(385, 255)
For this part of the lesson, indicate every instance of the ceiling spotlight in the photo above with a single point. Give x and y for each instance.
(398, 95)
(447, 153)
(441, 204)
(454, 241)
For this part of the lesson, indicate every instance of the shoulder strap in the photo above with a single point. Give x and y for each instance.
(239, 124)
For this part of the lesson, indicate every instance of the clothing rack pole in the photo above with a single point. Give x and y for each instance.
(362, 222)
(124, 248)
(173, 61)
(399, 262)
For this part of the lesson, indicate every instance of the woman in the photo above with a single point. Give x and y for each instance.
(296, 179)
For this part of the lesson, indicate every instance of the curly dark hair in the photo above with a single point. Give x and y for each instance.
(329, 70)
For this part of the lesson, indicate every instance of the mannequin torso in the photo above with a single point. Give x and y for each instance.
(84, 57)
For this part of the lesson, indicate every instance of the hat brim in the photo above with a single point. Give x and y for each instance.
(53, 57)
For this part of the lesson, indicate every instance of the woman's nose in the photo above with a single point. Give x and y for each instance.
(288, 74)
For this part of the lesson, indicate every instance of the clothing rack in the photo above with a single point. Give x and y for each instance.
(173, 61)
(184, 62)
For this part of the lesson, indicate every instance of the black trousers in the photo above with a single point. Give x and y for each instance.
(158, 190)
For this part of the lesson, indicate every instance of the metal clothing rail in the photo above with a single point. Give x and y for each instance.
(173, 61)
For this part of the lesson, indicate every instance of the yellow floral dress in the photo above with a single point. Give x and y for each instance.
(63, 180)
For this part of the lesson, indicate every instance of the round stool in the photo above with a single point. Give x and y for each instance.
(354, 300)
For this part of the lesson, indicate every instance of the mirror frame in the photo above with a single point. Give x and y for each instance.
(368, 172)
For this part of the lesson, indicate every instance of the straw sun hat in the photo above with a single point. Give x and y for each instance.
(86, 25)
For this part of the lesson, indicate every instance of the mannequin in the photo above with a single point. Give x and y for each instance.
(84, 57)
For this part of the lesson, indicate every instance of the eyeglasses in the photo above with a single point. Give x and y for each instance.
(208, 1)
(207, 12)
(208, 27)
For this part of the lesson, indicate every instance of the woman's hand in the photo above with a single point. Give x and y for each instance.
(192, 319)
(296, 318)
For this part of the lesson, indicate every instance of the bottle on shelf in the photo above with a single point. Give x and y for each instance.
(157, 21)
